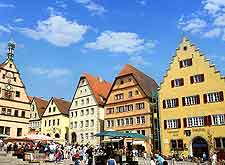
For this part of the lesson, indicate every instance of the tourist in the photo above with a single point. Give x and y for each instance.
(111, 161)
(214, 159)
(145, 157)
(152, 161)
(204, 156)
(159, 159)
(77, 158)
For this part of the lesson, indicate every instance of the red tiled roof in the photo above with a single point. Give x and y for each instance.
(30, 98)
(146, 83)
(41, 105)
(62, 105)
(99, 87)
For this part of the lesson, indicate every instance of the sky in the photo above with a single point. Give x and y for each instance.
(58, 40)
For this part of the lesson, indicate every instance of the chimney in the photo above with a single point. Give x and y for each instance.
(100, 79)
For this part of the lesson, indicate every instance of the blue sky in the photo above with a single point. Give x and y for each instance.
(58, 40)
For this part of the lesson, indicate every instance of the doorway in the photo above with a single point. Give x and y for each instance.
(200, 146)
(74, 138)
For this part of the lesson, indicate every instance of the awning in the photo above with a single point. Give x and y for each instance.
(120, 134)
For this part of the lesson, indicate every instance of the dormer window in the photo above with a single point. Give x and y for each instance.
(10, 65)
(121, 82)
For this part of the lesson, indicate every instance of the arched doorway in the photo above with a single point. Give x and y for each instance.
(74, 138)
(200, 146)
(57, 135)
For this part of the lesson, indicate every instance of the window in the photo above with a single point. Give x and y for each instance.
(76, 103)
(23, 114)
(53, 122)
(71, 125)
(3, 111)
(122, 121)
(136, 92)
(191, 100)
(75, 115)
(52, 102)
(86, 135)
(121, 82)
(120, 109)
(49, 123)
(218, 119)
(54, 109)
(92, 135)
(75, 124)
(185, 48)
(1, 130)
(197, 78)
(9, 111)
(35, 115)
(112, 123)
(16, 113)
(10, 65)
(142, 119)
(87, 111)
(80, 91)
(87, 101)
(109, 110)
(81, 124)
(82, 82)
(7, 130)
(171, 124)
(45, 123)
(19, 132)
(173, 144)
(177, 144)
(220, 143)
(140, 105)
(49, 109)
(131, 121)
(57, 121)
(213, 97)
(92, 123)
(82, 102)
(127, 121)
(92, 111)
(138, 120)
(186, 63)
(118, 122)
(130, 94)
(71, 114)
(3, 76)
(177, 82)
(17, 94)
(195, 121)
(14, 78)
(108, 123)
(119, 96)
(82, 112)
(171, 103)
(128, 107)
(82, 136)
(143, 132)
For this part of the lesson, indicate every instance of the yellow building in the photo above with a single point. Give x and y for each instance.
(38, 106)
(192, 104)
(128, 106)
(14, 102)
(55, 120)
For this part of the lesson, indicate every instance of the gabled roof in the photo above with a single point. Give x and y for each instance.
(41, 105)
(146, 83)
(99, 87)
(62, 105)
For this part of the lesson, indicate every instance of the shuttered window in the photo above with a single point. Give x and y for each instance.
(171, 103)
(197, 78)
(185, 63)
(218, 119)
(172, 124)
(191, 100)
(213, 97)
(177, 82)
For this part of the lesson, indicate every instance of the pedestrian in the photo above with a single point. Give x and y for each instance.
(214, 159)
(111, 161)
(145, 157)
(76, 157)
(159, 159)
(204, 156)
(152, 161)
(173, 160)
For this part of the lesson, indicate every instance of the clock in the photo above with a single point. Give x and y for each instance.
(8, 87)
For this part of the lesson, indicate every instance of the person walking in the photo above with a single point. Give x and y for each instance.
(111, 161)
(152, 161)
(145, 157)
(214, 159)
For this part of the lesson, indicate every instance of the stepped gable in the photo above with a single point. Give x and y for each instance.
(146, 83)
(41, 105)
(99, 87)
(62, 105)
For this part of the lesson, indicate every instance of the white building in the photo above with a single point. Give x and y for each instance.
(86, 114)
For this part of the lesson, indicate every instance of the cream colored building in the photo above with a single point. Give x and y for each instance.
(55, 120)
(14, 102)
(86, 111)
(38, 106)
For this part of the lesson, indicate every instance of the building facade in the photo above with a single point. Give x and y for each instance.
(128, 106)
(38, 106)
(86, 111)
(192, 107)
(14, 102)
(55, 120)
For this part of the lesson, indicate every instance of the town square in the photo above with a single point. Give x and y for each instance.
(94, 82)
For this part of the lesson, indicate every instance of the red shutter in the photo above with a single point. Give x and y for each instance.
(181, 64)
(164, 104)
(209, 120)
(206, 121)
(205, 98)
(182, 81)
(198, 99)
(165, 124)
(192, 79)
(185, 122)
(221, 96)
(177, 102)
(178, 123)
(183, 101)
(172, 83)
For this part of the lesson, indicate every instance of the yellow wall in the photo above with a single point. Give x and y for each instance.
(212, 83)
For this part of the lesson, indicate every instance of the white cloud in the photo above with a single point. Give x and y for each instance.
(220, 20)
(193, 25)
(18, 20)
(50, 73)
(61, 4)
(57, 30)
(213, 6)
(4, 5)
(142, 2)
(213, 33)
(4, 29)
(93, 7)
(3, 48)
(138, 60)
(119, 42)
